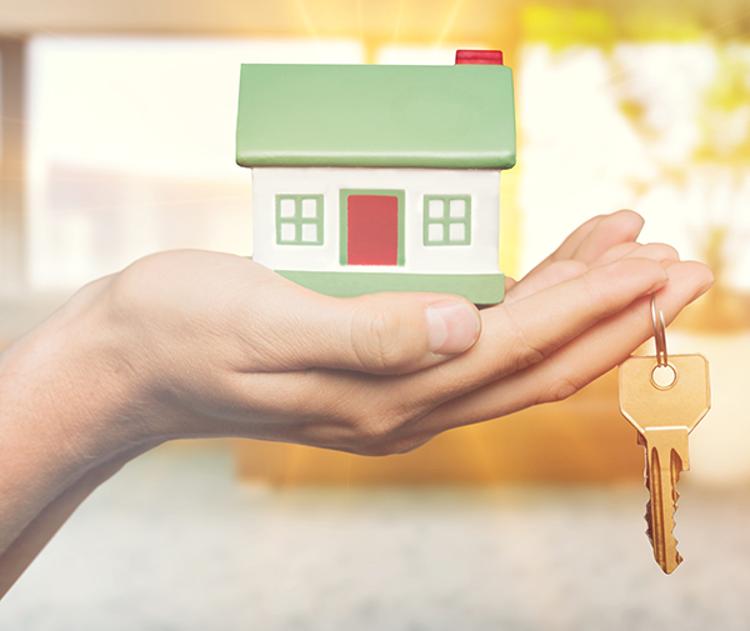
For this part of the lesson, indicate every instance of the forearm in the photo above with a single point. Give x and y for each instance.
(62, 415)
(30, 542)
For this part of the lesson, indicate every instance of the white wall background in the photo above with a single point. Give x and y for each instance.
(131, 148)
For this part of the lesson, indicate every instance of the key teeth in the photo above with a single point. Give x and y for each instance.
(647, 478)
(649, 533)
(676, 468)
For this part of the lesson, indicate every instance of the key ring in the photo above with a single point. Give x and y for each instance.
(660, 334)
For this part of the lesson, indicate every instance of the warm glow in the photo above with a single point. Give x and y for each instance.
(131, 150)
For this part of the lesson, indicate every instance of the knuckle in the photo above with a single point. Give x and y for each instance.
(123, 296)
(368, 428)
(376, 340)
(379, 434)
(372, 441)
(89, 294)
(521, 353)
(560, 389)
(408, 445)
(129, 288)
(388, 447)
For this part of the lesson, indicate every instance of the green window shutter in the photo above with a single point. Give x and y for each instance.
(446, 220)
(299, 219)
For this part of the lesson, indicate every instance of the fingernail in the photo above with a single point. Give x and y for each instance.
(453, 326)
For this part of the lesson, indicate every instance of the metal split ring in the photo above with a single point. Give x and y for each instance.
(660, 334)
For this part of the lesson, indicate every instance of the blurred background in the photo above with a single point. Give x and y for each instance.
(117, 140)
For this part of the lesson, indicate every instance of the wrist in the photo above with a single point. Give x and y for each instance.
(67, 388)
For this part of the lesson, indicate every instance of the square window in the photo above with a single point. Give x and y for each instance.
(309, 208)
(458, 208)
(447, 219)
(286, 207)
(288, 232)
(299, 219)
(309, 232)
(457, 231)
(436, 208)
(435, 233)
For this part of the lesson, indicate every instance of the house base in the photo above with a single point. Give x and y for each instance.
(481, 289)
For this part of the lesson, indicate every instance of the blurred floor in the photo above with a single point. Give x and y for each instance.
(174, 543)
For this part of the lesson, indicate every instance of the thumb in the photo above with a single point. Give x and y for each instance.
(397, 333)
(389, 333)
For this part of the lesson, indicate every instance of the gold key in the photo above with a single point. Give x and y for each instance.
(664, 398)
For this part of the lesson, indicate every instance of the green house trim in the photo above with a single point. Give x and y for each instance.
(481, 289)
(458, 116)
(344, 219)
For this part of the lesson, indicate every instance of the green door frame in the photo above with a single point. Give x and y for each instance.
(344, 194)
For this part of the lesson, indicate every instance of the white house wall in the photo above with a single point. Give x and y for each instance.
(481, 256)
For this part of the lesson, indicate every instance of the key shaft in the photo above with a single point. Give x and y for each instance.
(666, 458)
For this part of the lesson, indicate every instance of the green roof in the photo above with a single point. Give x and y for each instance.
(376, 116)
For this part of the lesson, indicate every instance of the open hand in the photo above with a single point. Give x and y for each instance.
(194, 343)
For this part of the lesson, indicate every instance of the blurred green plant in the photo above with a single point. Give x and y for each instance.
(725, 111)
(561, 27)
(648, 24)
(561, 23)
(565, 26)
(722, 152)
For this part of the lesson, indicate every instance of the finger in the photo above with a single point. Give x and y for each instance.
(574, 240)
(617, 252)
(560, 271)
(522, 333)
(571, 243)
(553, 274)
(655, 251)
(587, 357)
(621, 227)
(378, 333)
(595, 237)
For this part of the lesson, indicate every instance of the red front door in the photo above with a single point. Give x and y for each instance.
(372, 222)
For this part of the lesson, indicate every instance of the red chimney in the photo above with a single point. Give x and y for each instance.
(493, 57)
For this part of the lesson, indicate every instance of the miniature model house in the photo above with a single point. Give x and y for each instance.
(379, 178)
